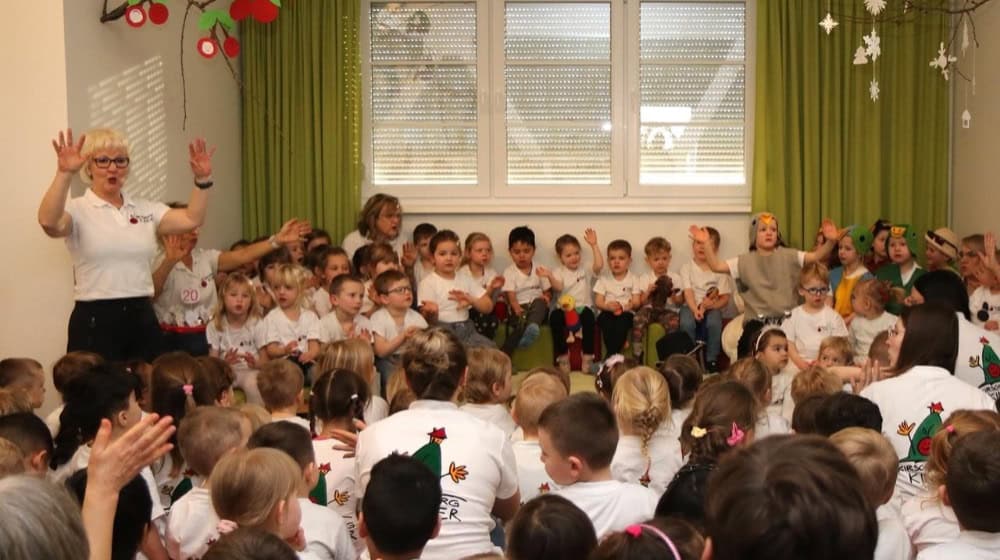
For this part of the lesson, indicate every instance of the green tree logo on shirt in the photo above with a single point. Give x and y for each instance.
(988, 361)
(430, 455)
(920, 441)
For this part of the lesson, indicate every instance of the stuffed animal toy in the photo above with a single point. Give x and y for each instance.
(573, 325)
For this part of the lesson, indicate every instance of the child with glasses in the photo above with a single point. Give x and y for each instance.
(394, 322)
(812, 321)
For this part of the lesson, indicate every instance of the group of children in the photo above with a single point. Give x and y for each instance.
(451, 461)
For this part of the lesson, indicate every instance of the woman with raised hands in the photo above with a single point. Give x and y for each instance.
(112, 239)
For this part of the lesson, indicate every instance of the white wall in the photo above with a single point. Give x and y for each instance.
(635, 228)
(50, 70)
(35, 289)
(975, 165)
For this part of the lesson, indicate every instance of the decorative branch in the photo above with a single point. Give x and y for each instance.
(114, 14)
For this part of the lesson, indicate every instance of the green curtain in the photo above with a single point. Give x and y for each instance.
(302, 117)
(822, 148)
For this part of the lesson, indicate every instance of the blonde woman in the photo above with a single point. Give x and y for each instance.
(111, 239)
(381, 221)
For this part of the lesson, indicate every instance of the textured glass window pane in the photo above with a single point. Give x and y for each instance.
(692, 31)
(558, 31)
(558, 85)
(415, 32)
(424, 93)
(411, 93)
(706, 92)
(559, 93)
(692, 93)
(424, 156)
(691, 154)
(551, 155)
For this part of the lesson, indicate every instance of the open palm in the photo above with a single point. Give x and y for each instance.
(68, 153)
(201, 158)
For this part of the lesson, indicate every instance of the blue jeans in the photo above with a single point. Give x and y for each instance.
(708, 329)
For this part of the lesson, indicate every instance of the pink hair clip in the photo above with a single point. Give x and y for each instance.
(226, 526)
(736, 436)
(950, 428)
(188, 389)
(634, 531)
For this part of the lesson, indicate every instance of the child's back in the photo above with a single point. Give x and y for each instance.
(488, 387)
(536, 393)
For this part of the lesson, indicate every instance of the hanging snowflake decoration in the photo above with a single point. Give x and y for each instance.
(828, 23)
(860, 57)
(873, 90)
(965, 37)
(873, 45)
(943, 62)
(875, 7)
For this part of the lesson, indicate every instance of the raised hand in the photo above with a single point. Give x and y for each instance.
(114, 463)
(590, 236)
(292, 231)
(174, 247)
(68, 153)
(201, 159)
(830, 230)
(409, 256)
(698, 234)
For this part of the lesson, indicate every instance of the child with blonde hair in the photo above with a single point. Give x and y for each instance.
(337, 404)
(873, 457)
(380, 258)
(25, 375)
(929, 521)
(645, 454)
(752, 374)
(356, 355)
(536, 393)
(487, 388)
(706, 294)
(292, 330)
(812, 321)
(325, 532)
(835, 351)
(815, 380)
(661, 295)
(206, 435)
(236, 332)
(259, 489)
(476, 264)
(281, 387)
(869, 298)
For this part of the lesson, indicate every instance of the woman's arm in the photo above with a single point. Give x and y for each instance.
(52, 215)
(182, 220)
(293, 230)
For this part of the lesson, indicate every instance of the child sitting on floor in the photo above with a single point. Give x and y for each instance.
(488, 388)
(536, 393)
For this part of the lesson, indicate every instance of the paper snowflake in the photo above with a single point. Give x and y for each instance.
(873, 45)
(873, 90)
(875, 7)
(828, 23)
(860, 57)
(943, 62)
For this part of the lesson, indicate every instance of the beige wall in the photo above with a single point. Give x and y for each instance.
(975, 161)
(53, 73)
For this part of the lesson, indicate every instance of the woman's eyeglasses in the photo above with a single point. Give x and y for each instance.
(103, 162)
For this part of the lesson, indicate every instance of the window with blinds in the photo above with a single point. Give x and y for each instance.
(691, 69)
(519, 99)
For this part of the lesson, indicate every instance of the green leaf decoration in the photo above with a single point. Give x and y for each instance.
(276, 3)
(134, 2)
(208, 19)
(227, 21)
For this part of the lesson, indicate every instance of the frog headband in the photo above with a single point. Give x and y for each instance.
(862, 239)
(904, 231)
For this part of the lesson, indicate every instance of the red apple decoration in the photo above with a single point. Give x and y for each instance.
(158, 14)
(135, 16)
(240, 9)
(231, 46)
(207, 47)
(264, 11)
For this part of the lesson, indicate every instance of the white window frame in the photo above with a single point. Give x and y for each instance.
(491, 194)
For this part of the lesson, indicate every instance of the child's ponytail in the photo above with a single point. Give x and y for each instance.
(172, 392)
(723, 416)
(338, 394)
(99, 393)
(641, 401)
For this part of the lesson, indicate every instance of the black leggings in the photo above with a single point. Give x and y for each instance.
(117, 329)
(557, 320)
(615, 330)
